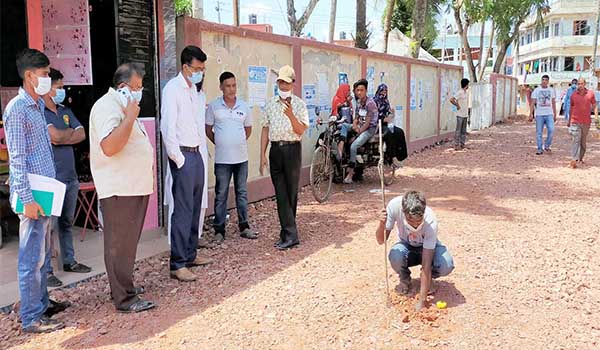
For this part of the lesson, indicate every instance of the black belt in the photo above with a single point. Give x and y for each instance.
(190, 149)
(284, 143)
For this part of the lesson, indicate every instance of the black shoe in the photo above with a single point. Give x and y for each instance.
(138, 306)
(53, 281)
(44, 325)
(139, 290)
(77, 267)
(278, 243)
(287, 245)
(55, 307)
(539, 153)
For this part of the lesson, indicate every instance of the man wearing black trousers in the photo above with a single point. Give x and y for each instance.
(284, 122)
(182, 127)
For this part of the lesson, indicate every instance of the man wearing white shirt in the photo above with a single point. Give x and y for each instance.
(182, 126)
(228, 126)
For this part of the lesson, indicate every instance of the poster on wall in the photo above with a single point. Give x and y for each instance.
(342, 78)
(413, 92)
(381, 77)
(324, 99)
(66, 29)
(257, 85)
(309, 94)
(420, 95)
(399, 117)
(371, 80)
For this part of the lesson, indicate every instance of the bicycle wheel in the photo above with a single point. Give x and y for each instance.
(389, 172)
(321, 174)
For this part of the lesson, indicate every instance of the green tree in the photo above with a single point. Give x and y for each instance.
(402, 19)
(508, 15)
(183, 7)
(361, 38)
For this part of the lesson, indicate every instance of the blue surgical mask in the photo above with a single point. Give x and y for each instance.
(60, 96)
(137, 95)
(196, 77)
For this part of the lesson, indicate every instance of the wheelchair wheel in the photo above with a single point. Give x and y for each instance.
(321, 174)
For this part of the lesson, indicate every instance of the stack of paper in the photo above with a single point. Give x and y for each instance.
(49, 193)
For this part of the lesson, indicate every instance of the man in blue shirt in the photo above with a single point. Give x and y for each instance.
(65, 131)
(567, 101)
(30, 152)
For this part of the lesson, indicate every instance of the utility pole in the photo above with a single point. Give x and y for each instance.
(593, 66)
(218, 9)
(332, 16)
(236, 13)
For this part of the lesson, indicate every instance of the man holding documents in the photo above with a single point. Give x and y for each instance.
(122, 161)
(65, 131)
(30, 152)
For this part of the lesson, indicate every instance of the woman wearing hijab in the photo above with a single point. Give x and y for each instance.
(393, 137)
(341, 107)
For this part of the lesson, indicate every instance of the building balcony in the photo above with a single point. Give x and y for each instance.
(555, 77)
(542, 48)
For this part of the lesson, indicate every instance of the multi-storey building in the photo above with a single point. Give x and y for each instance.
(562, 46)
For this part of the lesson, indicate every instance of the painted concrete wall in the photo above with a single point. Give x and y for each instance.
(424, 102)
(450, 83)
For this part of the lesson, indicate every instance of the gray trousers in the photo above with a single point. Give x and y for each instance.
(579, 133)
(460, 135)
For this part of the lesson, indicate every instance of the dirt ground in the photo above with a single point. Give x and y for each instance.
(523, 231)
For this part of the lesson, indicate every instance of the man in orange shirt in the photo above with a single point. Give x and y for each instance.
(582, 101)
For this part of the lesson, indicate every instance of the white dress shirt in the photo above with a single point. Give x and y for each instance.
(183, 112)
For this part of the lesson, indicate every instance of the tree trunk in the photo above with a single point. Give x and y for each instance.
(387, 25)
(463, 30)
(419, 16)
(236, 13)
(503, 47)
(332, 16)
(361, 40)
(481, 36)
(297, 24)
(487, 54)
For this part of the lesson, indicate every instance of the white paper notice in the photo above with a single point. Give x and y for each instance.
(257, 86)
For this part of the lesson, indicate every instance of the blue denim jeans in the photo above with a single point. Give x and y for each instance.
(344, 129)
(540, 121)
(359, 142)
(403, 255)
(32, 268)
(223, 173)
(64, 225)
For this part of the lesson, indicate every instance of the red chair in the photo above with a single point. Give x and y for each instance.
(86, 205)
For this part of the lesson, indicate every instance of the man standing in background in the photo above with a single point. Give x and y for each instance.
(228, 126)
(582, 101)
(544, 108)
(567, 101)
(284, 122)
(65, 131)
(459, 100)
(183, 128)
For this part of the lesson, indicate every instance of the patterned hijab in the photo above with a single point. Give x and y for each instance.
(383, 104)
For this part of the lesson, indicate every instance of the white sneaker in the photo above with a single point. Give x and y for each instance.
(359, 159)
(397, 163)
(348, 181)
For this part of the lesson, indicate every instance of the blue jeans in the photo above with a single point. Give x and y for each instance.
(32, 268)
(359, 142)
(64, 226)
(403, 255)
(540, 121)
(223, 173)
(344, 129)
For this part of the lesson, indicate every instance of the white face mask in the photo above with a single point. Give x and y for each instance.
(285, 94)
(44, 85)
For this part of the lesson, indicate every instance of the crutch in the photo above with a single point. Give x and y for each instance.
(380, 168)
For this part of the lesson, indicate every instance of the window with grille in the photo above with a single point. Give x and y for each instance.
(580, 28)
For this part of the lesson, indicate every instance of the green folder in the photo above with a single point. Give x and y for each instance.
(43, 198)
